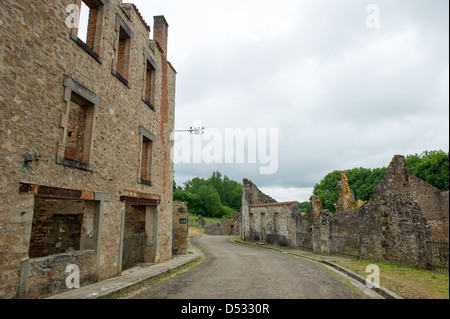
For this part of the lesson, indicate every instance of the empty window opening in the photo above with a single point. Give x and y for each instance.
(61, 226)
(84, 24)
(150, 79)
(79, 130)
(146, 160)
(276, 225)
(123, 54)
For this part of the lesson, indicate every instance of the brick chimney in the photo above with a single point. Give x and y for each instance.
(161, 32)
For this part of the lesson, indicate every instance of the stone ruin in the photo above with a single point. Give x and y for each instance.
(395, 225)
(346, 201)
(201, 221)
(227, 226)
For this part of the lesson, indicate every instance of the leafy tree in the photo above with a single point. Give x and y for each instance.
(209, 201)
(430, 166)
(216, 196)
(327, 191)
(303, 207)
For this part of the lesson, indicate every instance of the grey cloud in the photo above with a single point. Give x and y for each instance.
(341, 95)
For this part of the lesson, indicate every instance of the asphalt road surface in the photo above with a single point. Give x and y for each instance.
(236, 271)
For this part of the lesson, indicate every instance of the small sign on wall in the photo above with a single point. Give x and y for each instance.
(183, 221)
(324, 222)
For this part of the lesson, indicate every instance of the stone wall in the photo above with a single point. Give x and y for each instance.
(392, 226)
(227, 226)
(274, 223)
(45, 68)
(213, 229)
(434, 204)
(181, 228)
(231, 226)
(48, 274)
(251, 195)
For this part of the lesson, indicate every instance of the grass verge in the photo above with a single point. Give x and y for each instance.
(406, 281)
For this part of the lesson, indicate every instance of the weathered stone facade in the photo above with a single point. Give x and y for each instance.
(86, 125)
(392, 226)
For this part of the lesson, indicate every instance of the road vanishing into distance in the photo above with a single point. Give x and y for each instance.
(237, 271)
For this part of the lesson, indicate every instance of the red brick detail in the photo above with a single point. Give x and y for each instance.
(79, 134)
(87, 195)
(92, 28)
(273, 204)
(164, 120)
(55, 192)
(128, 193)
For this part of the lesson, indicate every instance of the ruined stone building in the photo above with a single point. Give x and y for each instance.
(395, 225)
(85, 124)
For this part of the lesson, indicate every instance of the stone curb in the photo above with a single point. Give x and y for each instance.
(119, 284)
(384, 292)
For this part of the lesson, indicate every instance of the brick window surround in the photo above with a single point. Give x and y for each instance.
(78, 122)
(150, 67)
(95, 34)
(122, 48)
(145, 170)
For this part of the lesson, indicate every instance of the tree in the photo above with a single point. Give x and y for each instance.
(209, 201)
(201, 195)
(303, 207)
(430, 166)
(327, 191)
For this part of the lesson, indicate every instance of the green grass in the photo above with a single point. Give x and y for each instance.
(406, 281)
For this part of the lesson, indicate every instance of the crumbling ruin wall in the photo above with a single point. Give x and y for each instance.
(346, 200)
(434, 204)
(274, 223)
(392, 226)
(251, 195)
(231, 226)
(227, 226)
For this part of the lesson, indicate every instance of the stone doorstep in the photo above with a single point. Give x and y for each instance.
(384, 292)
(128, 279)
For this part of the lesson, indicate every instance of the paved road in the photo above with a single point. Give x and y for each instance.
(236, 271)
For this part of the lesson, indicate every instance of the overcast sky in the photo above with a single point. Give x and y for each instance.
(341, 94)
